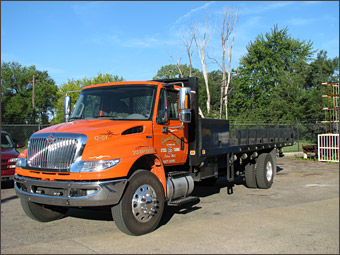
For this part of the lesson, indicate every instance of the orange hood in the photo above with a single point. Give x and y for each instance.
(93, 127)
(104, 137)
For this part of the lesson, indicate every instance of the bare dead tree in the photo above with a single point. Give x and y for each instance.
(228, 28)
(178, 65)
(188, 38)
(202, 39)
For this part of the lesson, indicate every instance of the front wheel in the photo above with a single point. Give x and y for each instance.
(43, 213)
(141, 207)
(265, 171)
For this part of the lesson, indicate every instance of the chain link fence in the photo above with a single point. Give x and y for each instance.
(22, 132)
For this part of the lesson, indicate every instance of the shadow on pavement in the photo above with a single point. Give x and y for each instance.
(200, 190)
(8, 199)
(92, 213)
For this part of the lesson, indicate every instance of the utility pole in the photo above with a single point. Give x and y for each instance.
(33, 97)
(33, 103)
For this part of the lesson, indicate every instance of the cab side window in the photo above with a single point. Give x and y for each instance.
(162, 111)
(173, 104)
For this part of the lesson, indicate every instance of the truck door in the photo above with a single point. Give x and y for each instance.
(170, 141)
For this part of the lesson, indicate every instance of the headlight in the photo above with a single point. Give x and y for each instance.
(97, 166)
(13, 160)
(21, 162)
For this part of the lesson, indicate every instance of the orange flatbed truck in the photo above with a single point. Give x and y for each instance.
(137, 146)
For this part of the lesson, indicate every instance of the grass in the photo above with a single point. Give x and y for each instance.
(305, 159)
(294, 148)
(314, 160)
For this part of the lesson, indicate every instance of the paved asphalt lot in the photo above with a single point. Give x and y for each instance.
(299, 214)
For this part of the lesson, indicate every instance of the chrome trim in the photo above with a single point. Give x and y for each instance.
(55, 151)
(184, 99)
(77, 165)
(21, 162)
(104, 192)
(179, 187)
(144, 203)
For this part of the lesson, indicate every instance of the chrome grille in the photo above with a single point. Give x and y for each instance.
(52, 151)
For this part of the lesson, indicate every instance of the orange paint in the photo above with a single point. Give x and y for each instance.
(158, 170)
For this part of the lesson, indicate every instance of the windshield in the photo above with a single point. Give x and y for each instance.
(6, 141)
(130, 102)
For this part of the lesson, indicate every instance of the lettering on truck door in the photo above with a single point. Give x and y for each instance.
(173, 145)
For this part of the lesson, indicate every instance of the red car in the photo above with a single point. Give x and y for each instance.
(9, 156)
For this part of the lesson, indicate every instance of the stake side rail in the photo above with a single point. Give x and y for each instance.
(214, 138)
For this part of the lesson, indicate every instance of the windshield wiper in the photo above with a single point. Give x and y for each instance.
(75, 118)
(103, 116)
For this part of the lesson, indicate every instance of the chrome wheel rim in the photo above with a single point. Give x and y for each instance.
(269, 171)
(144, 203)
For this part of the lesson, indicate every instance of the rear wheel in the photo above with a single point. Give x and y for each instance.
(141, 207)
(43, 213)
(250, 175)
(264, 171)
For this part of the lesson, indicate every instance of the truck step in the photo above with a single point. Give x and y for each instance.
(185, 200)
(177, 173)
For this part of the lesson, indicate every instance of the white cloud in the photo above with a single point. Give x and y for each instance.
(264, 7)
(146, 42)
(301, 21)
(191, 12)
(119, 39)
(85, 10)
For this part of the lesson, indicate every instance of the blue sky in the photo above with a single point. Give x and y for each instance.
(73, 39)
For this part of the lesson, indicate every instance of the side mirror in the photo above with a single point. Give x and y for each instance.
(185, 105)
(67, 107)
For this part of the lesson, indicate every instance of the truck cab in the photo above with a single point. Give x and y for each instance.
(116, 131)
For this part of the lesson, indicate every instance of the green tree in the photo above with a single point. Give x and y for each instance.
(215, 81)
(322, 70)
(16, 94)
(274, 64)
(301, 97)
(171, 72)
(319, 71)
(75, 85)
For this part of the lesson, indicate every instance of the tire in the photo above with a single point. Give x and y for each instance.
(264, 171)
(250, 175)
(141, 207)
(43, 213)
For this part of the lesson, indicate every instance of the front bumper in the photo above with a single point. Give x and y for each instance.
(70, 193)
